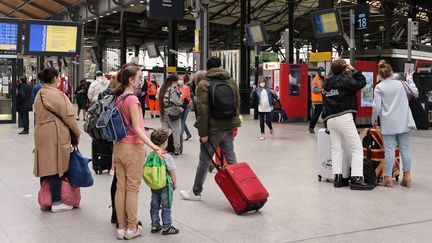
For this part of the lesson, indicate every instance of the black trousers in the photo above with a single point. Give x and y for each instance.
(316, 114)
(55, 182)
(267, 116)
(113, 192)
(24, 116)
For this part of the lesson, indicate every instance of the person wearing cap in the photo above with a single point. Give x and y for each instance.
(316, 98)
(96, 87)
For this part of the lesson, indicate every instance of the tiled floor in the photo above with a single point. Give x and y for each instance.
(299, 208)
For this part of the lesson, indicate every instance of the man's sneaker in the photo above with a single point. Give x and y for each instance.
(121, 234)
(130, 234)
(60, 207)
(155, 229)
(190, 195)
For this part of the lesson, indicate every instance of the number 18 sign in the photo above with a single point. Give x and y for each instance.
(362, 16)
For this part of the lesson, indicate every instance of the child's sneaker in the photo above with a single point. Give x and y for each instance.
(190, 195)
(60, 207)
(121, 234)
(155, 229)
(170, 231)
(130, 234)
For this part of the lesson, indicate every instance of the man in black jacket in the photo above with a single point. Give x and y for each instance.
(24, 102)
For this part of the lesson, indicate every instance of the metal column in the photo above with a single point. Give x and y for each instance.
(123, 43)
(202, 28)
(325, 44)
(290, 51)
(172, 43)
(243, 82)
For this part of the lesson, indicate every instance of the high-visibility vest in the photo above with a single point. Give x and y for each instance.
(316, 81)
(152, 88)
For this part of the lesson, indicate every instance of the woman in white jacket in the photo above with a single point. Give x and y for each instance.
(391, 105)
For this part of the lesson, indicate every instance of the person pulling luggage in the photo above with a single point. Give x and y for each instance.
(218, 106)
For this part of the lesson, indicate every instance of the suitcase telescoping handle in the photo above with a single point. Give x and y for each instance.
(369, 146)
(211, 157)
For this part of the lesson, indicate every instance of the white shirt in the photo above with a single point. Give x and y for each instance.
(96, 87)
(264, 105)
(391, 105)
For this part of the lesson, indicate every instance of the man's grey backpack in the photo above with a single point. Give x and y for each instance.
(93, 115)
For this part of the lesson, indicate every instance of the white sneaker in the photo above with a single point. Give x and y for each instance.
(262, 138)
(60, 207)
(190, 195)
(121, 234)
(130, 234)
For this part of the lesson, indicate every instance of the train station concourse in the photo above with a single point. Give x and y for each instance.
(215, 121)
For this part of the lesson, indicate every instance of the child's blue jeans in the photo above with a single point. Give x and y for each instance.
(160, 201)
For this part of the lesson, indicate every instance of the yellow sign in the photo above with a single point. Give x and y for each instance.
(320, 56)
(197, 40)
(171, 69)
(328, 22)
(61, 38)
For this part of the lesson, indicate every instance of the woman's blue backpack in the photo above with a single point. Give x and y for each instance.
(111, 124)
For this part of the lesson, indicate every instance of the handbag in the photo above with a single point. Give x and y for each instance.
(417, 118)
(79, 174)
(174, 112)
(69, 195)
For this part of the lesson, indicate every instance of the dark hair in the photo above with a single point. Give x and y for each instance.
(384, 69)
(83, 81)
(48, 74)
(159, 136)
(23, 79)
(168, 82)
(128, 70)
(213, 62)
(338, 66)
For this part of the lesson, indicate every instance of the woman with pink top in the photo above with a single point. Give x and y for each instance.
(129, 154)
(186, 98)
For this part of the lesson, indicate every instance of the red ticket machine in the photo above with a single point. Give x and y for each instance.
(294, 91)
(365, 96)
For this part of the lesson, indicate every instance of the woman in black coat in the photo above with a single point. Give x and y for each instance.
(24, 102)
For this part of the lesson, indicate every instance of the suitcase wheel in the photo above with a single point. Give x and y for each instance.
(319, 178)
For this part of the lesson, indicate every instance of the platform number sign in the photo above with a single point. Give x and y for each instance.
(362, 16)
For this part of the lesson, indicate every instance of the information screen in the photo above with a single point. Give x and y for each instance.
(256, 33)
(53, 39)
(326, 23)
(8, 37)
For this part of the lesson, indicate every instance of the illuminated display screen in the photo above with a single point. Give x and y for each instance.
(53, 38)
(326, 23)
(8, 36)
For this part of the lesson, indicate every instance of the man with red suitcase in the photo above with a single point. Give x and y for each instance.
(218, 105)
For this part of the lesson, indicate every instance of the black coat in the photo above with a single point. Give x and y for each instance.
(23, 99)
(340, 94)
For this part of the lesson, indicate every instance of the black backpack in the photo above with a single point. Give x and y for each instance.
(222, 100)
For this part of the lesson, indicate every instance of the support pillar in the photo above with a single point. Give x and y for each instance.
(243, 82)
(123, 43)
(172, 43)
(290, 51)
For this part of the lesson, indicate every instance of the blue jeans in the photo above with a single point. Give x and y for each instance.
(159, 200)
(55, 183)
(183, 122)
(390, 141)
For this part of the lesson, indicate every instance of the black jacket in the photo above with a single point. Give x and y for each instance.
(23, 99)
(340, 94)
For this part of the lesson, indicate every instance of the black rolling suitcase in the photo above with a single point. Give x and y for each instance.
(102, 156)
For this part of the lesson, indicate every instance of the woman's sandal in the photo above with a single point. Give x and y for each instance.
(170, 231)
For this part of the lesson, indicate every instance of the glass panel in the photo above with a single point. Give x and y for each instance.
(294, 80)
(5, 90)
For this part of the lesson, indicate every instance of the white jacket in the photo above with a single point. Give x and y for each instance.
(391, 105)
(96, 87)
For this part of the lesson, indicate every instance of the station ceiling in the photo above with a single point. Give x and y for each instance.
(224, 17)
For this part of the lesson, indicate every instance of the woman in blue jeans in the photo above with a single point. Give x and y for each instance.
(264, 96)
(391, 105)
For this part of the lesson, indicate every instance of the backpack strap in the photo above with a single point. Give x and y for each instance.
(122, 98)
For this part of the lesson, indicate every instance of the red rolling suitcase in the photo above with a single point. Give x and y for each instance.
(241, 186)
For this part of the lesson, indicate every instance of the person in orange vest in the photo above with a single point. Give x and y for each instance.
(316, 98)
(152, 93)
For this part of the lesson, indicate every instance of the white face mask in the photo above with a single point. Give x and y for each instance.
(262, 85)
(180, 82)
(322, 73)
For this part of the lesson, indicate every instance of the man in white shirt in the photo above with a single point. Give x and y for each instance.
(97, 86)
